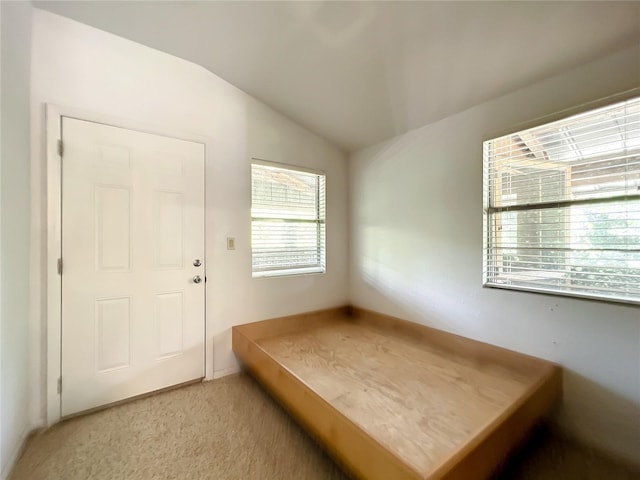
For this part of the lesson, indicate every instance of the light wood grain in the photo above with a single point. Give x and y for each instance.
(478, 352)
(292, 323)
(422, 403)
(351, 446)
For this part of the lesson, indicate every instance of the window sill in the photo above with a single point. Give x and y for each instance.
(289, 272)
(564, 293)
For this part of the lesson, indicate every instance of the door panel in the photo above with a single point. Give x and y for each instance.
(132, 225)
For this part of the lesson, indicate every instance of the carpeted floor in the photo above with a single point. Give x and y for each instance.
(230, 429)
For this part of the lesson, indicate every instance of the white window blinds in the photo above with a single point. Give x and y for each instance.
(287, 221)
(562, 206)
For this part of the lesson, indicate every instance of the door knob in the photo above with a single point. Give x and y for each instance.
(197, 279)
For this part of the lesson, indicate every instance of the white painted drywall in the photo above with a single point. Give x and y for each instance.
(78, 66)
(415, 202)
(357, 72)
(416, 252)
(14, 227)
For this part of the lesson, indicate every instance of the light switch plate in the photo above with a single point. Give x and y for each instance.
(231, 243)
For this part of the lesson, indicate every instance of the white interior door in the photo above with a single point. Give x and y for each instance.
(133, 315)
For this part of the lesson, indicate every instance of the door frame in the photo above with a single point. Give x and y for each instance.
(53, 309)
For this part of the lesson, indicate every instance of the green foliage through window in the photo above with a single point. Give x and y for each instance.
(562, 206)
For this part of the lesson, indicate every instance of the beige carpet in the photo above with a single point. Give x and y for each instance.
(230, 429)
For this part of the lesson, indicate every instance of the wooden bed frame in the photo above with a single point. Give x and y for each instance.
(391, 399)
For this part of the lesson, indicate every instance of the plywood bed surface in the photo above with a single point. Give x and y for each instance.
(424, 401)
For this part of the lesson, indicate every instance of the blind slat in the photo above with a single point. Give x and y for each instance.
(588, 244)
(287, 224)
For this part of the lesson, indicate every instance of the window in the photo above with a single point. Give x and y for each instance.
(562, 206)
(287, 220)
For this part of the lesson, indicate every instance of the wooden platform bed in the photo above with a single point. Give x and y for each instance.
(390, 399)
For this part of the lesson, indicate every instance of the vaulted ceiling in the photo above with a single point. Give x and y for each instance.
(360, 72)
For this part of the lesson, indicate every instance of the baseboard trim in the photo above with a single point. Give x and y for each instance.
(226, 371)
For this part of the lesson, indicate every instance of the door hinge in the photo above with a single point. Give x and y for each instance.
(59, 384)
(59, 266)
(60, 148)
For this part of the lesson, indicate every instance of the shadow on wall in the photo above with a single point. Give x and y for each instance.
(582, 407)
(416, 253)
(421, 286)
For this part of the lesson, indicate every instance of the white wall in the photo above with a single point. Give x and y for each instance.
(78, 66)
(416, 252)
(415, 205)
(14, 228)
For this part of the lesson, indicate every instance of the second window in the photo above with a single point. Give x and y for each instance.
(287, 220)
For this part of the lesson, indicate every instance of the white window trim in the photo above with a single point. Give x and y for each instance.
(490, 210)
(289, 272)
(293, 270)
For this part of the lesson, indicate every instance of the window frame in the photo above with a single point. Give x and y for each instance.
(490, 213)
(320, 221)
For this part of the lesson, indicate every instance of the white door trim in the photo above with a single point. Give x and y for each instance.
(54, 114)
